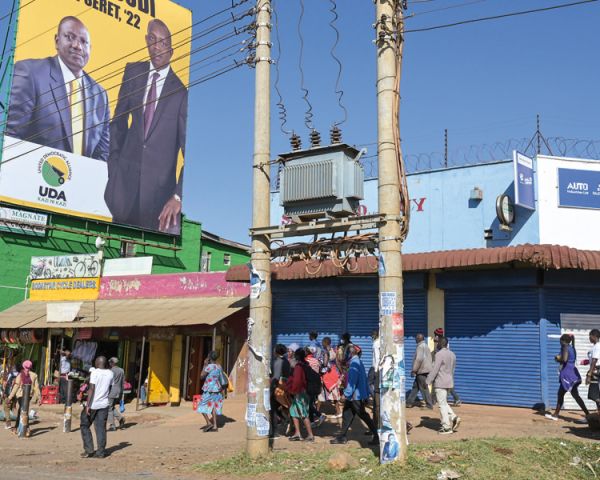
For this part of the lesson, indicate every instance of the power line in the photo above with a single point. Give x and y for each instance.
(16, 9)
(134, 92)
(339, 92)
(308, 115)
(190, 85)
(118, 71)
(282, 111)
(8, 29)
(450, 7)
(496, 17)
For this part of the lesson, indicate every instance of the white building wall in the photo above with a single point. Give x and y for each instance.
(572, 227)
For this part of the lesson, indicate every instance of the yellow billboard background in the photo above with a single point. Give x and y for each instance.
(111, 38)
(57, 289)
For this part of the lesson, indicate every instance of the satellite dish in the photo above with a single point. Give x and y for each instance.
(100, 242)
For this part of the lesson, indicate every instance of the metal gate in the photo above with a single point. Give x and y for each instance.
(495, 336)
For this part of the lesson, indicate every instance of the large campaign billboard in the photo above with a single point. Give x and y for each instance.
(96, 125)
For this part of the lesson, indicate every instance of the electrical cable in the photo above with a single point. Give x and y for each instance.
(338, 91)
(103, 79)
(181, 43)
(450, 7)
(8, 29)
(190, 85)
(282, 111)
(496, 17)
(116, 100)
(21, 7)
(308, 115)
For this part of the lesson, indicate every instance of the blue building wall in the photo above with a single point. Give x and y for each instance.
(442, 215)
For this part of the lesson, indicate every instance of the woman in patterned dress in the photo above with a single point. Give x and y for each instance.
(331, 393)
(211, 404)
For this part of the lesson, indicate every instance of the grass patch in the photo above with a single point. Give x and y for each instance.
(481, 459)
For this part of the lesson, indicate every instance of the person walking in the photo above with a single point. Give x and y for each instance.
(315, 416)
(211, 404)
(297, 385)
(421, 367)
(569, 377)
(313, 342)
(592, 375)
(281, 371)
(116, 395)
(437, 334)
(374, 381)
(7, 387)
(442, 379)
(96, 410)
(25, 377)
(331, 378)
(356, 394)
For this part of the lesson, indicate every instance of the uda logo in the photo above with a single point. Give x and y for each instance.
(55, 170)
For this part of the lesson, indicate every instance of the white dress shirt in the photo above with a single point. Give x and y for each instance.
(160, 81)
(68, 77)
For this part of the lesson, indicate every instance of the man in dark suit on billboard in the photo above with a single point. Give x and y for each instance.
(55, 103)
(148, 140)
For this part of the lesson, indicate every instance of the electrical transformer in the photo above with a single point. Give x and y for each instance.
(321, 182)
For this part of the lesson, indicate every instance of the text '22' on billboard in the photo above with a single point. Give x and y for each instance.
(96, 125)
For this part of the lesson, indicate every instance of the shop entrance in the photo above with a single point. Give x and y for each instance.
(198, 350)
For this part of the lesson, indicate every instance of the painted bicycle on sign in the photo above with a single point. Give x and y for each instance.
(65, 266)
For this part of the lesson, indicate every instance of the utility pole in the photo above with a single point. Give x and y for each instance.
(259, 323)
(392, 419)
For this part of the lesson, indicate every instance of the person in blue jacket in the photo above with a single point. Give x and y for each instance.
(355, 396)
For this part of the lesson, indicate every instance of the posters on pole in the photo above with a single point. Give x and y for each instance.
(96, 124)
(387, 303)
(524, 184)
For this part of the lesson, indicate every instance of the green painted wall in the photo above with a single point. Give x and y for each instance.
(16, 250)
(217, 254)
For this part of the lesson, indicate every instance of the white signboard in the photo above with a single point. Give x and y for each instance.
(22, 221)
(46, 178)
(119, 267)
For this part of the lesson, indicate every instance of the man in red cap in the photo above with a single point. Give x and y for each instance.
(437, 334)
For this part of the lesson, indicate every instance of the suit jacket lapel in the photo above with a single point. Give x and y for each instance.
(59, 91)
(168, 87)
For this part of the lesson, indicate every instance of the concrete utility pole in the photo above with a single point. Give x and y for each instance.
(259, 323)
(392, 419)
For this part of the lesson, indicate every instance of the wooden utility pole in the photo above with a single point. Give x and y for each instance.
(392, 419)
(259, 323)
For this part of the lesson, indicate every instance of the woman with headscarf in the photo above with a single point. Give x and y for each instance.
(26, 377)
(211, 404)
(297, 385)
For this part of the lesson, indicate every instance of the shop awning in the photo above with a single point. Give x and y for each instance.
(156, 312)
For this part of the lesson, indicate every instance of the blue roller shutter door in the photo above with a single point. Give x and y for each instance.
(363, 318)
(495, 336)
(297, 314)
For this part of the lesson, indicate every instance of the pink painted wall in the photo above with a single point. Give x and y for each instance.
(171, 285)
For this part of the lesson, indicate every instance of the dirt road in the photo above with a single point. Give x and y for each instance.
(165, 442)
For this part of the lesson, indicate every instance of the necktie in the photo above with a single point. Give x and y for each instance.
(77, 117)
(150, 105)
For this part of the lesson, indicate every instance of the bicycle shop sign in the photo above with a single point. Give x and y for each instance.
(65, 266)
(65, 289)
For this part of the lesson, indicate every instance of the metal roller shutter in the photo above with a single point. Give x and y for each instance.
(363, 318)
(495, 336)
(575, 311)
(297, 314)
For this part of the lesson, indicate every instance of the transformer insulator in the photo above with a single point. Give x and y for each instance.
(315, 139)
(335, 134)
(296, 142)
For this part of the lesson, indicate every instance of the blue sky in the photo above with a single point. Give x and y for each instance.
(484, 82)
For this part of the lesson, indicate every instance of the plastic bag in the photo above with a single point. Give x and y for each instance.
(122, 406)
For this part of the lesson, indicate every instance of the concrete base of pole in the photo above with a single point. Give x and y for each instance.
(23, 430)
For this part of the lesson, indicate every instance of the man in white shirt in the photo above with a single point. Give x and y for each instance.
(96, 409)
(591, 378)
(65, 369)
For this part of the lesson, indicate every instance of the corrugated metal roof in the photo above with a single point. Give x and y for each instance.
(160, 312)
(538, 256)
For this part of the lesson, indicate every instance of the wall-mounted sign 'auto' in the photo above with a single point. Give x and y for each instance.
(505, 210)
